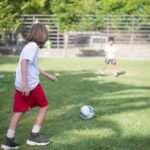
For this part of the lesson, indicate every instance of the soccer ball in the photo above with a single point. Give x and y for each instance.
(86, 112)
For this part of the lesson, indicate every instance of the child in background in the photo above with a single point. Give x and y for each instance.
(110, 56)
(29, 93)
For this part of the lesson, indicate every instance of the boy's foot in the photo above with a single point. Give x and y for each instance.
(115, 74)
(36, 139)
(10, 144)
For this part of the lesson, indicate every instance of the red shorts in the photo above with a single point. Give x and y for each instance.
(36, 98)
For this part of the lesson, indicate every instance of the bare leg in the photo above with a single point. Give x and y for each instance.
(34, 138)
(41, 115)
(10, 144)
(115, 69)
(15, 120)
(103, 68)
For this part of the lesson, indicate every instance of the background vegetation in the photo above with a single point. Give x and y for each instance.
(69, 12)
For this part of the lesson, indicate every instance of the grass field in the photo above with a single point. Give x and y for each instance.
(122, 105)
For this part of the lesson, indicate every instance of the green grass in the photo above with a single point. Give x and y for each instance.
(122, 105)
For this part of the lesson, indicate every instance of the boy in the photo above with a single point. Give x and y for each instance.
(110, 56)
(29, 92)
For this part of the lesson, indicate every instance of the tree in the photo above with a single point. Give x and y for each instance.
(69, 12)
(10, 12)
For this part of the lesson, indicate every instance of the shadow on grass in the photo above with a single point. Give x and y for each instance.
(73, 90)
(107, 143)
(121, 73)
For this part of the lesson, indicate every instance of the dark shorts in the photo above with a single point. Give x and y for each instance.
(110, 61)
(36, 98)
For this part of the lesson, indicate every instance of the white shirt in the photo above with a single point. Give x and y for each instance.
(29, 52)
(110, 51)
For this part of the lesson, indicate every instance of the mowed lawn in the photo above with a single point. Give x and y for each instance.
(122, 105)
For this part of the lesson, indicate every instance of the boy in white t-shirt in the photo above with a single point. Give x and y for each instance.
(28, 91)
(110, 56)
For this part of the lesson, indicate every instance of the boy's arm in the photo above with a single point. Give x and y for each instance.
(47, 75)
(24, 89)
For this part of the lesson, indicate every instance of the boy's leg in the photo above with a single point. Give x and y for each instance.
(104, 66)
(115, 69)
(11, 132)
(34, 138)
(38, 99)
(39, 119)
(41, 115)
(15, 120)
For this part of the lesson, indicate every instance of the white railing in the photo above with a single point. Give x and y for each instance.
(127, 29)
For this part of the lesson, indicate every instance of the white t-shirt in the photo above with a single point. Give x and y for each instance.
(111, 51)
(29, 52)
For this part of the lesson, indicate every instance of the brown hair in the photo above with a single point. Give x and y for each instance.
(39, 34)
(111, 39)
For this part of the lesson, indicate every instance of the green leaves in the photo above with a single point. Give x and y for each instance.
(69, 12)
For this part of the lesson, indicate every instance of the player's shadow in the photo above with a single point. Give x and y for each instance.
(111, 142)
(119, 73)
(105, 75)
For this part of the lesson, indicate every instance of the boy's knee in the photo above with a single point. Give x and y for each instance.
(45, 107)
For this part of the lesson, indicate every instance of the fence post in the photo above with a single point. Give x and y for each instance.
(66, 43)
(107, 22)
(58, 35)
(132, 30)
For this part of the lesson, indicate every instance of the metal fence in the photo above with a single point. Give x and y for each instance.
(50, 21)
(127, 29)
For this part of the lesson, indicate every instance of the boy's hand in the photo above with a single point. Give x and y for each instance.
(25, 89)
(51, 77)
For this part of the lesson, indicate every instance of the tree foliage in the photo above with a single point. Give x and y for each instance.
(69, 12)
